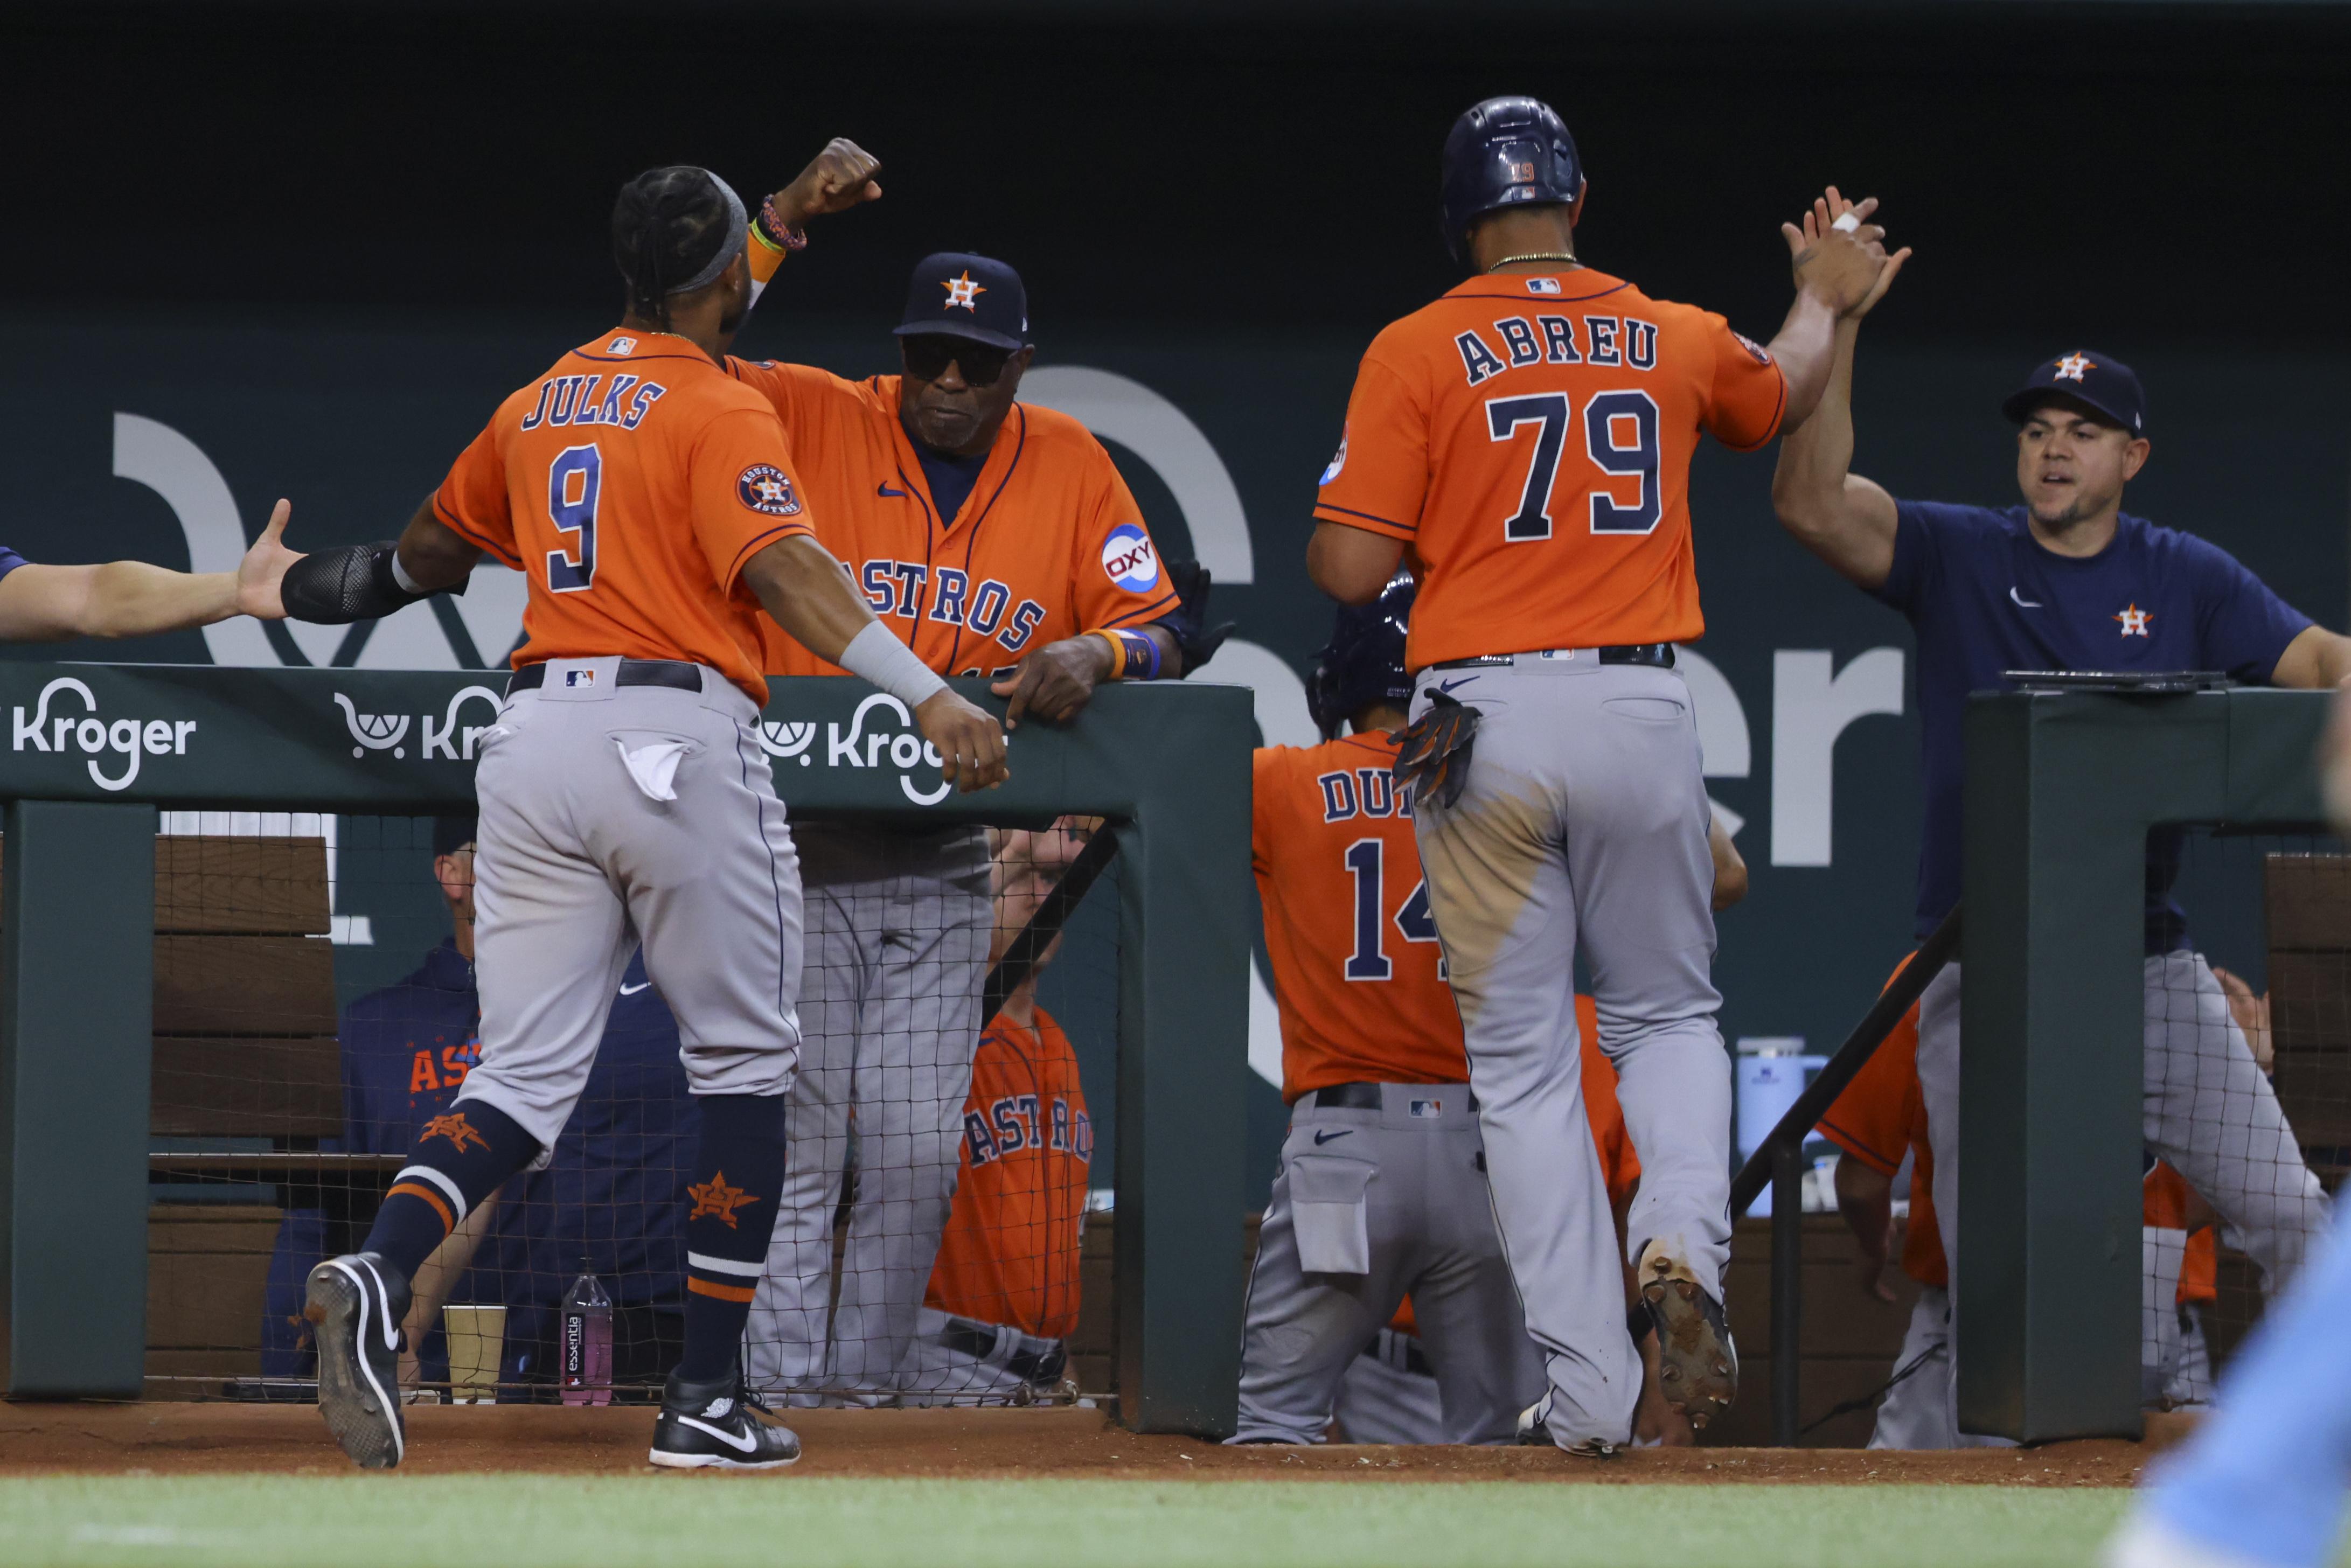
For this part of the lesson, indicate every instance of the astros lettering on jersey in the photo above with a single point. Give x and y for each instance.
(1358, 977)
(1049, 545)
(1009, 1252)
(1528, 437)
(577, 482)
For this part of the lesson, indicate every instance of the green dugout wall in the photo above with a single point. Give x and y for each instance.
(94, 750)
(2061, 791)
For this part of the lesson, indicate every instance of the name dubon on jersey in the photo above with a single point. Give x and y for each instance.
(1529, 436)
(1049, 543)
(629, 483)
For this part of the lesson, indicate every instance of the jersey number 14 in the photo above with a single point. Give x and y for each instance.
(1370, 959)
(1608, 419)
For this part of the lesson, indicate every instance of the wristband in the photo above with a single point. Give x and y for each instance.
(890, 665)
(1117, 654)
(771, 230)
(1141, 656)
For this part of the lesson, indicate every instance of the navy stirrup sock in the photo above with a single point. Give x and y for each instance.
(737, 1181)
(461, 1157)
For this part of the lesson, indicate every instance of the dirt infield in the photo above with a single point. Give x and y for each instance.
(158, 1439)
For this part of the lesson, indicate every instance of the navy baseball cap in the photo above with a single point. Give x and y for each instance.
(954, 294)
(2099, 382)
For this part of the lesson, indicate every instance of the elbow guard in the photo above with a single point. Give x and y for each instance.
(354, 582)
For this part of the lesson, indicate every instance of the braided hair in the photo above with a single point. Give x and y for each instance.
(667, 226)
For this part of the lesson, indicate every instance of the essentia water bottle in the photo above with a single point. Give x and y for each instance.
(587, 1349)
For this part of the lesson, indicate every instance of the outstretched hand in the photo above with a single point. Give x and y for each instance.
(1848, 267)
(262, 569)
(839, 178)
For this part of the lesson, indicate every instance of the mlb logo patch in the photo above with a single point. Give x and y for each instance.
(1542, 285)
(579, 677)
(621, 346)
(1428, 1107)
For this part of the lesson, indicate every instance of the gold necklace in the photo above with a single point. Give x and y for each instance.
(1535, 255)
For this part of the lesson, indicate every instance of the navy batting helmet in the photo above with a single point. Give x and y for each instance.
(1364, 662)
(1505, 152)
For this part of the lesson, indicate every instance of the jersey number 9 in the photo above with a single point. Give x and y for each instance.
(573, 484)
(1620, 437)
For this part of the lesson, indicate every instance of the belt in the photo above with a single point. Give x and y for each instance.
(1658, 656)
(675, 674)
(1363, 1096)
(979, 1341)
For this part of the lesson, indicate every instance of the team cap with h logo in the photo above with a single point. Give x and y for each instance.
(955, 293)
(2099, 382)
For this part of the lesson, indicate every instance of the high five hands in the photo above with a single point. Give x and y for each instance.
(1845, 261)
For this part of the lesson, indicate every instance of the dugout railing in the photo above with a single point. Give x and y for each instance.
(2063, 788)
(96, 751)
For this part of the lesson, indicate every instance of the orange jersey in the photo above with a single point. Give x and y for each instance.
(1049, 544)
(629, 483)
(1010, 1253)
(1882, 1111)
(1529, 438)
(1355, 960)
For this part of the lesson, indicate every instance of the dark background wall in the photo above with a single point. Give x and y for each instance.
(321, 242)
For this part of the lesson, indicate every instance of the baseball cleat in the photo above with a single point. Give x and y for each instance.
(1534, 1432)
(354, 1305)
(1697, 1364)
(716, 1425)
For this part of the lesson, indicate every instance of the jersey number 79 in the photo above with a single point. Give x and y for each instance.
(1608, 419)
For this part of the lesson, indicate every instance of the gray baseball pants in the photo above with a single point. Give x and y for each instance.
(1583, 822)
(2205, 1110)
(578, 858)
(1370, 1206)
(898, 928)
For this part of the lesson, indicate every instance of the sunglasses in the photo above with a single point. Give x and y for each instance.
(927, 358)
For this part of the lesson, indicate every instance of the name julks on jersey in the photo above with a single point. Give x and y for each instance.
(1621, 340)
(916, 591)
(571, 399)
(1011, 1124)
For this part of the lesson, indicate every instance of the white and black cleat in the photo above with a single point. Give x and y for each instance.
(718, 1425)
(1697, 1364)
(1534, 1432)
(355, 1304)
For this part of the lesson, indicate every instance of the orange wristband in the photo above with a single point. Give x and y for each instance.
(1117, 654)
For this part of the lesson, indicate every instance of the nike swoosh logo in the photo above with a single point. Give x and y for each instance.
(746, 1444)
(2023, 602)
(1323, 1138)
(1448, 685)
(632, 991)
(885, 490)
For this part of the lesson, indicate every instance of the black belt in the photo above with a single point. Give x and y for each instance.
(1658, 656)
(1365, 1096)
(675, 674)
(978, 1340)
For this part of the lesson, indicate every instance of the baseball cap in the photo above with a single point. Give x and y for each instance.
(2097, 381)
(955, 293)
(451, 834)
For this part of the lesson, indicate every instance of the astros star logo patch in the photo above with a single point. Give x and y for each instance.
(962, 292)
(2134, 621)
(457, 1129)
(714, 1197)
(764, 488)
(2071, 367)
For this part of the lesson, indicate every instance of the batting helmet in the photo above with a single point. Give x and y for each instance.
(1505, 152)
(1364, 662)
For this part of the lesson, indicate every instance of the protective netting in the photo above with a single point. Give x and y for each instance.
(315, 1008)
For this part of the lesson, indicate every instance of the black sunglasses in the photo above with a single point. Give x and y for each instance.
(928, 357)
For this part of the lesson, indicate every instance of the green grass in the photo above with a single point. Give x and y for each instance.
(711, 1521)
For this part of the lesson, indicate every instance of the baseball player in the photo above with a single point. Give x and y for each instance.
(41, 603)
(1526, 439)
(995, 538)
(1879, 1119)
(1003, 1296)
(650, 500)
(2068, 582)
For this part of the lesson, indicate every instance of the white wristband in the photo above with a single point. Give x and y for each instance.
(890, 665)
(400, 575)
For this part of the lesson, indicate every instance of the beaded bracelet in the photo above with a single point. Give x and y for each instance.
(775, 233)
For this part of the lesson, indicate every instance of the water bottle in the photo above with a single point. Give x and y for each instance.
(585, 1353)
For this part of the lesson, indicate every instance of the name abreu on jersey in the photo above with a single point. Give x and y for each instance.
(1625, 341)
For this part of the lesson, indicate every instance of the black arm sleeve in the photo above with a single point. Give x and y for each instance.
(336, 586)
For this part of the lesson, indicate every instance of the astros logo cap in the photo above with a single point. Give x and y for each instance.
(2099, 382)
(955, 293)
